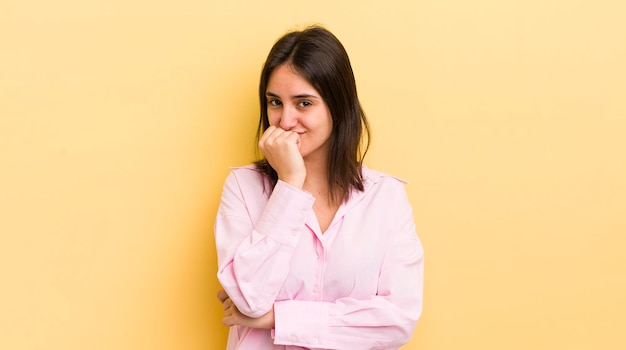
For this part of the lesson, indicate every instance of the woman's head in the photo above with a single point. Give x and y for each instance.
(317, 56)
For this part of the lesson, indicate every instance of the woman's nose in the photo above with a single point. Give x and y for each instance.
(288, 119)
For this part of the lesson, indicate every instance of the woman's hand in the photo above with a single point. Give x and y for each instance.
(233, 317)
(282, 150)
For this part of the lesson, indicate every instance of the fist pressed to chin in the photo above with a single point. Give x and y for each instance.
(282, 150)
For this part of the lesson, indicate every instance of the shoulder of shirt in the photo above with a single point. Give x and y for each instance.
(246, 173)
(247, 177)
(375, 176)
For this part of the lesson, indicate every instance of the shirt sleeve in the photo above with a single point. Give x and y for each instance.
(382, 321)
(253, 259)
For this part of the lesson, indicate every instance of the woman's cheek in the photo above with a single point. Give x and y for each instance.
(272, 117)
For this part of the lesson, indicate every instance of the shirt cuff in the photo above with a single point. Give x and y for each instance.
(301, 323)
(285, 213)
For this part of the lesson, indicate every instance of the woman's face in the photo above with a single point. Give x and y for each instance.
(293, 104)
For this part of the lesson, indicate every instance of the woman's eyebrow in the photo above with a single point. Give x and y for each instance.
(305, 96)
(271, 94)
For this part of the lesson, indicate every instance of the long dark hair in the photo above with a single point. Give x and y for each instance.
(318, 56)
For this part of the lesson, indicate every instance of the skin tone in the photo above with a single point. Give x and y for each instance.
(296, 145)
(234, 317)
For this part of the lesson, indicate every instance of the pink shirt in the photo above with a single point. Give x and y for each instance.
(357, 286)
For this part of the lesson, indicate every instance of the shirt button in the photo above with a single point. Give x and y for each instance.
(293, 338)
(315, 340)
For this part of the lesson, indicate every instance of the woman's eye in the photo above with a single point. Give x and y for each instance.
(274, 102)
(305, 103)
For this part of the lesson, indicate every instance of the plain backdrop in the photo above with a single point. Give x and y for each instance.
(119, 119)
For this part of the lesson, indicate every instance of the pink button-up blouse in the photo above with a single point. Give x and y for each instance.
(356, 286)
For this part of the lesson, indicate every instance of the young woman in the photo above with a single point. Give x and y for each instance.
(315, 250)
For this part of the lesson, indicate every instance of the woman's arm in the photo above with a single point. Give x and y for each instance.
(248, 271)
(234, 317)
(253, 260)
(383, 321)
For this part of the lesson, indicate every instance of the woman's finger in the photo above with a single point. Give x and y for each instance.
(221, 295)
(266, 134)
(270, 133)
(227, 304)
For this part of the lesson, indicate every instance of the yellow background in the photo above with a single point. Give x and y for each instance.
(119, 118)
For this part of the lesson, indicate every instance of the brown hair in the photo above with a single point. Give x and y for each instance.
(320, 58)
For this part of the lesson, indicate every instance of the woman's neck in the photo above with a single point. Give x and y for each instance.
(316, 181)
